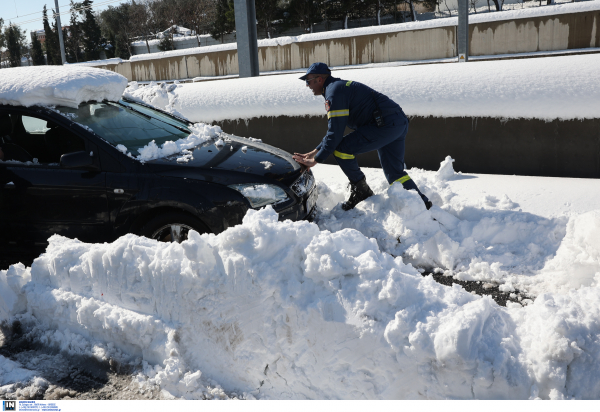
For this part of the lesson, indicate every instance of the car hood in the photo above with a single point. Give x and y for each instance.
(236, 154)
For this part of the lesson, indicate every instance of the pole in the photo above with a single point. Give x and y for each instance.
(60, 34)
(247, 41)
(463, 31)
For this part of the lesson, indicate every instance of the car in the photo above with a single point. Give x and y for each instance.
(74, 171)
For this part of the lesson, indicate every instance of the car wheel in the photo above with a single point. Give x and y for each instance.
(172, 227)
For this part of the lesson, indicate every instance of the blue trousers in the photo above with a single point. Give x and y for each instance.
(389, 143)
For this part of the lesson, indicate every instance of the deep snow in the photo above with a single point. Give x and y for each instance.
(338, 308)
(59, 85)
(520, 88)
(281, 310)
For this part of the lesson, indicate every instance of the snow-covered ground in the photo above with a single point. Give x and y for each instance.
(520, 88)
(337, 308)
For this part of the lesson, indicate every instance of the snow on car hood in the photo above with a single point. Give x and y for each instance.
(236, 154)
(59, 85)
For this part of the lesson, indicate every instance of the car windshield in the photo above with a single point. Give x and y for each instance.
(127, 124)
(154, 113)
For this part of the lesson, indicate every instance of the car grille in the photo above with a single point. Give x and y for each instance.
(304, 183)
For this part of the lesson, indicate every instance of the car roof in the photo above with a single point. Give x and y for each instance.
(59, 85)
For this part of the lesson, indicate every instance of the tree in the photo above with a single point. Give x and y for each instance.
(225, 19)
(1, 34)
(73, 37)
(170, 11)
(37, 54)
(166, 43)
(304, 12)
(198, 15)
(51, 43)
(266, 12)
(92, 36)
(500, 3)
(14, 40)
(139, 15)
(116, 21)
(111, 46)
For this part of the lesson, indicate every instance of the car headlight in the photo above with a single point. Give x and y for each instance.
(261, 194)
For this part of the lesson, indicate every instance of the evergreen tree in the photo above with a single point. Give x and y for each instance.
(1, 34)
(37, 54)
(166, 43)
(110, 47)
(122, 47)
(13, 44)
(73, 38)
(224, 21)
(92, 37)
(118, 26)
(56, 44)
(51, 43)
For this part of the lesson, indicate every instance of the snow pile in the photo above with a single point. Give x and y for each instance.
(154, 94)
(388, 28)
(59, 85)
(334, 309)
(446, 171)
(442, 90)
(490, 240)
(576, 261)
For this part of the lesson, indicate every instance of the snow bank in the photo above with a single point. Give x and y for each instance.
(519, 89)
(388, 28)
(324, 310)
(59, 85)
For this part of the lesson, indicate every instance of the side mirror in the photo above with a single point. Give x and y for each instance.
(77, 160)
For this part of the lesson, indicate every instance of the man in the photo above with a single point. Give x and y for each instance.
(378, 124)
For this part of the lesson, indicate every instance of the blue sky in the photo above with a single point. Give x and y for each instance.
(28, 13)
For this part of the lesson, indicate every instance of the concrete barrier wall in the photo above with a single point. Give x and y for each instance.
(559, 32)
(479, 145)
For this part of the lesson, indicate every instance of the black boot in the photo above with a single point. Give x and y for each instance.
(359, 191)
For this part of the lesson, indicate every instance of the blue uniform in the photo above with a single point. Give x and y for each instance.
(352, 104)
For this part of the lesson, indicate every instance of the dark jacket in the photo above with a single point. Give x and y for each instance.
(351, 104)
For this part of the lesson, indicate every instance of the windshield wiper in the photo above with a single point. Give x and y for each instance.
(147, 116)
(181, 129)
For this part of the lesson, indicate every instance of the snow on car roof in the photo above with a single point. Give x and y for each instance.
(59, 85)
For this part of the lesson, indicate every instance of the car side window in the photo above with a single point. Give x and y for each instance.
(34, 140)
(34, 125)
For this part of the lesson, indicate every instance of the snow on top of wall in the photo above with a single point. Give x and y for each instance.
(286, 310)
(389, 28)
(565, 87)
(59, 85)
(114, 60)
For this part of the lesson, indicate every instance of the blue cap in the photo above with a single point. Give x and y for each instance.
(316, 68)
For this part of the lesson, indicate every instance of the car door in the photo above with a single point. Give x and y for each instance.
(40, 198)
